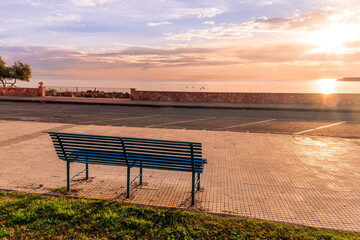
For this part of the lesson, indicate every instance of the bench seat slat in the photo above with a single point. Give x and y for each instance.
(88, 147)
(93, 141)
(171, 169)
(160, 145)
(77, 135)
(172, 163)
(96, 154)
(159, 153)
(186, 147)
(166, 150)
(144, 140)
(167, 167)
(101, 141)
(169, 158)
(71, 147)
(165, 146)
(91, 144)
(112, 163)
(98, 159)
(91, 151)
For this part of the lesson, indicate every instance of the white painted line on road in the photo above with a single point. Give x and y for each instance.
(313, 129)
(246, 124)
(185, 121)
(118, 119)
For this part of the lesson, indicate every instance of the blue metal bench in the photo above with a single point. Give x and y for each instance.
(130, 152)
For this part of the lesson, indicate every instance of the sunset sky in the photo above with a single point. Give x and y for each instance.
(182, 40)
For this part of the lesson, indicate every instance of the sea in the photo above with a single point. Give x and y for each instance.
(264, 86)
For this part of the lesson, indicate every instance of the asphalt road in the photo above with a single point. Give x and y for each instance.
(335, 124)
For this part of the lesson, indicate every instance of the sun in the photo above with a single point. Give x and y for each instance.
(333, 38)
(327, 86)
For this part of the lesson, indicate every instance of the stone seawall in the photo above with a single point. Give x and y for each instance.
(31, 92)
(224, 97)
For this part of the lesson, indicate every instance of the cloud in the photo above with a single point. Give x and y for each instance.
(209, 22)
(160, 57)
(307, 23)
(33, 3)
(62, 18)
(265, 3)
(180, 12)
(89, 3)
(155, 24)
(316, 20)
(275, 60)
(223, 32)
(209, 13)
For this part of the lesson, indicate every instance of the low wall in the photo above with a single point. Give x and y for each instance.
(224, 97)
(31, 92)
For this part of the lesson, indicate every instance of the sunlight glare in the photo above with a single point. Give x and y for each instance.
(327, 86)
(333, 39)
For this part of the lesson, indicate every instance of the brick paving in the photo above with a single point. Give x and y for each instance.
(294, 179)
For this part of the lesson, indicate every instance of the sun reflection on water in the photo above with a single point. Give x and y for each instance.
(327, 86)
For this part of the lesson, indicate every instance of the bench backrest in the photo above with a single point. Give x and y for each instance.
(124, 151)
(88, 148)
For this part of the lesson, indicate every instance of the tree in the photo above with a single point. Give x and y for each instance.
(18, 71)
(4, 72)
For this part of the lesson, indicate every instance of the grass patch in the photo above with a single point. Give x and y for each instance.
(63, 190)
(32, 216)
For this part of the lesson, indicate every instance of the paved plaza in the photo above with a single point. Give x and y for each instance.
(306, 180)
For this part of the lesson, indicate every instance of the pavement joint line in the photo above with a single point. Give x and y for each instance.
(30, 111)
(105, 113)
(17, 114)
(170, 123)
(247, 124)
(65, 111)
(119, 119)
(91, 113)
(313, 129)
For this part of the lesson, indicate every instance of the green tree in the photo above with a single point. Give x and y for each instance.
(18, 71)
(4, 72)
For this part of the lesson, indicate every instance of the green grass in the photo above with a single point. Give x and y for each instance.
(31, 216)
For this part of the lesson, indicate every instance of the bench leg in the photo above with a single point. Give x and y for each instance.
(68, 175)
(87, 171)
(128, 183)
(198, 179)
(193, 189)
(141, 172)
